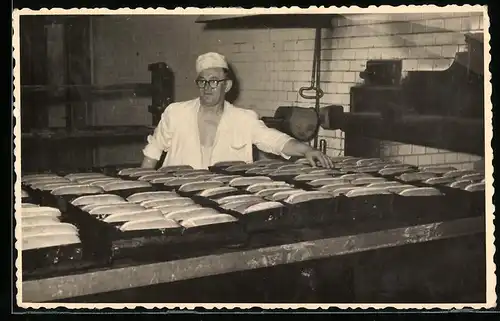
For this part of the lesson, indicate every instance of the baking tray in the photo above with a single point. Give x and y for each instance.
(261, 221)
(311, 213)
(53, 261)
(365, 208)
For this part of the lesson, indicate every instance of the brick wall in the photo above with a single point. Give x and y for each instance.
(273, 64)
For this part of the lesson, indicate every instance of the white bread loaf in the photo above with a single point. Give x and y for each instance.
(280, 196)
(343, 190)
(351, 177)
(125, 185)
(264, 206)
(329, 188)
(174, 168)
(90, 207)
(327, 181)
(324, 171)
(254, 188)
(143, 173)
(383, 184)
(192, 172)
(103, 181)
(52, 186)
(369, 169)
(166, 202)
(292, 166)
(259, 171)
(395, 171)
(475, 187)
(224, 178)
(228, 163)
(396, 165)
(459, 173)
(367, 161)
(89, 180)
(27, 205)
(163, 180)
(199, 186)
(367, 180)
(40, 182)
(233, 198)
(439, 180)
(217, 191)
(39, 220)
(151, 176)
(473, 177)
(40, 210)
(439, 169)
(420, 191)
(26, 178)
(208, 220)
(273, 190)
(149, 224)
(461, 184)
(77, 190)
(44, 241)
(247, 181)
(77, 176)
(118, 208)
(165, 209)
(233, 206)
(366, 191)
(49, 229)
(307, 196)
(96, 199)
(185, 214)
(310, 177)
(133, 170)
(179, 181)
(241, 167)
(396, 189)
(133, 216)
(153, 195)
(416, 176)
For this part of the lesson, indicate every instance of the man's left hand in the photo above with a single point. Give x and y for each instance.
(315, 156)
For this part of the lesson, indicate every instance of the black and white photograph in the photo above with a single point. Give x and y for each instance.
(274, 158)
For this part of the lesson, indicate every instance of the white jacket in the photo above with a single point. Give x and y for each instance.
(177, 134)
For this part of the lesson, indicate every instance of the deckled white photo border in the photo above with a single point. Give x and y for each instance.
(489, 229)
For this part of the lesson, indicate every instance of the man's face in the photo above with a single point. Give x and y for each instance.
(213, 85)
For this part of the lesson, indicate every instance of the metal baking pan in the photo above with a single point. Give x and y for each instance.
(311, 213)
(53, 261)
(421, 209)
(231, 234)
(365, 208)
(260, 221)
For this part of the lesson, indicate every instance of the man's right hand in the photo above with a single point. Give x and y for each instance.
(148, 162)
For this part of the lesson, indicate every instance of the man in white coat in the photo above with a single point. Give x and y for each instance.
(208, 129)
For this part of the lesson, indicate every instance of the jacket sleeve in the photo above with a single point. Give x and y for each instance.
(266, 139)
(160, 140)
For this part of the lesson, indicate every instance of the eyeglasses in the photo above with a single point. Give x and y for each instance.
(213, 83)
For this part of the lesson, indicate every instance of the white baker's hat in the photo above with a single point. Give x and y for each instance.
(210, 60)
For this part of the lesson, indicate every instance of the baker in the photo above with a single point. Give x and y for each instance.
(208, 129)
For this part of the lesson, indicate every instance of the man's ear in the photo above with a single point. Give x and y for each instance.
(228, 85)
